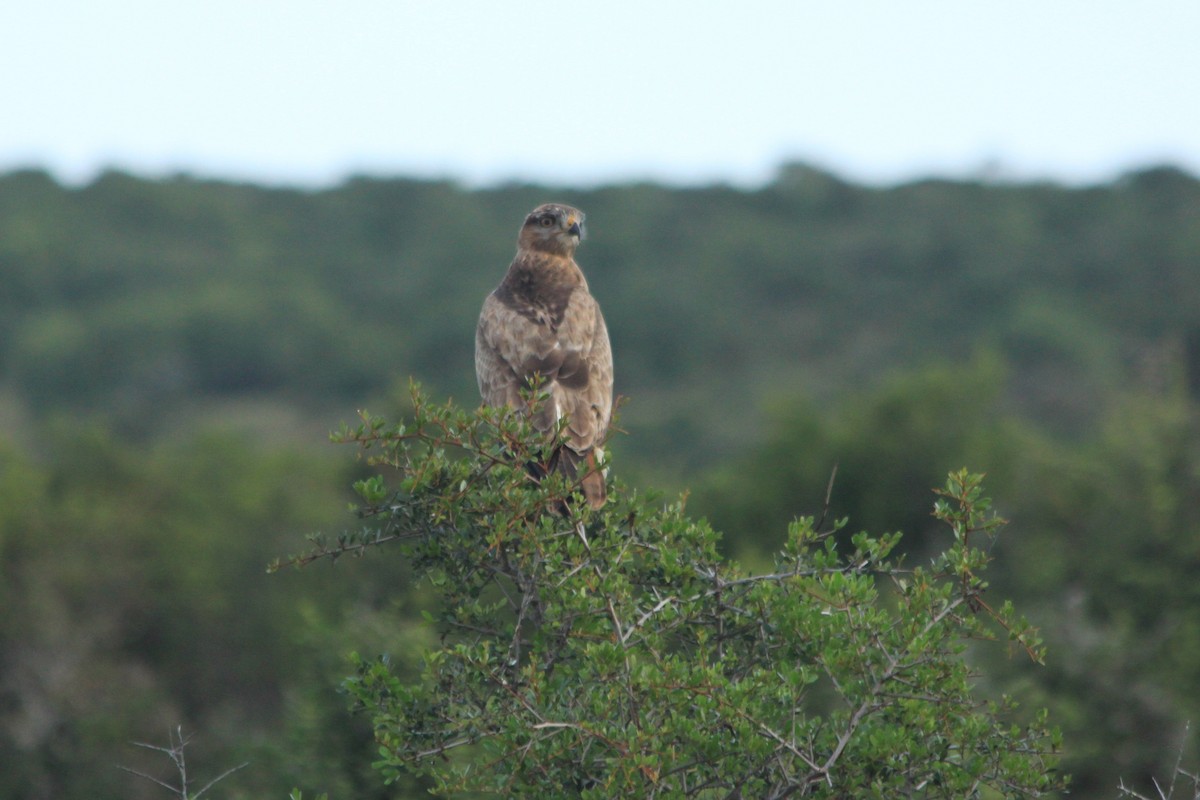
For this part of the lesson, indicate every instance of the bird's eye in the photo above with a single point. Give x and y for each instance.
(546, 222)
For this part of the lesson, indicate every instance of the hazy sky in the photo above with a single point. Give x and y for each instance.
(305, 92)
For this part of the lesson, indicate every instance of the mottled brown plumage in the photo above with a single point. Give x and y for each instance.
(542, 321)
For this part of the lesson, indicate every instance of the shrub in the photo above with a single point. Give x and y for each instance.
(617, 654)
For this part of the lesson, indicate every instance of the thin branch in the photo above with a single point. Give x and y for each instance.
(219, 778)
(666, 601)
(178, 742)
(151, 778)
(828, 496)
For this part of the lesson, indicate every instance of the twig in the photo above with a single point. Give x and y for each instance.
(828, 496)
(176, 753)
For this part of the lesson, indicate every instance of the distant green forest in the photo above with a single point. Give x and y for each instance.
(172, 353)
(137, 299)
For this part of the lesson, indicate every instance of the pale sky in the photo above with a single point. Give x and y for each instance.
(304, 93)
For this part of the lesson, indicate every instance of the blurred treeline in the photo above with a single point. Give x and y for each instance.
(173, 351)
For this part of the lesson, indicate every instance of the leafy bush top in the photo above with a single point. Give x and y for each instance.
(617, 654)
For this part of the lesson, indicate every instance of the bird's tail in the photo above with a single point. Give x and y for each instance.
(574, 465)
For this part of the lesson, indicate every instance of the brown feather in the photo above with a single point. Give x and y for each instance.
(541, 323)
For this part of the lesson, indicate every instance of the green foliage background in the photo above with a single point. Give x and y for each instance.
(172, 353)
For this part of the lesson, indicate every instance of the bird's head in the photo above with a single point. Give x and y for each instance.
(552, 228)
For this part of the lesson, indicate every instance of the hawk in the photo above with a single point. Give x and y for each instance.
(541, 328)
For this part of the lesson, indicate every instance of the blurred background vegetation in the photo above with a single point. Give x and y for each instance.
(173, 353)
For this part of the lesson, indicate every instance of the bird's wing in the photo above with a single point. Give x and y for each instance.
(584, 381)
(510, 349)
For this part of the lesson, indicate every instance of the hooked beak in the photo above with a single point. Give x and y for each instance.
(575, 227)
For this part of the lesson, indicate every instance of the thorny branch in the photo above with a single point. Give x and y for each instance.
(175, 752)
